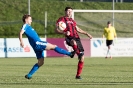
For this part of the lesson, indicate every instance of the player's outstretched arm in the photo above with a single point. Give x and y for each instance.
(83, 32)
(20, 38)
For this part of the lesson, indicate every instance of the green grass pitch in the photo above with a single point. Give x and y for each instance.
(60, 73)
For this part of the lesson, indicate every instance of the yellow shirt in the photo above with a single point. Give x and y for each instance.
(109, 33)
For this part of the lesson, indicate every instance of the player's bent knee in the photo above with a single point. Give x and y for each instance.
(73, 42)
(53, 47)
(82, 59)
(40, 64)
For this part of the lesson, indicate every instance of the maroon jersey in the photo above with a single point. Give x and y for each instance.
(70, 26)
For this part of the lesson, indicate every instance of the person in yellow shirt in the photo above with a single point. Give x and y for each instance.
(109, 33)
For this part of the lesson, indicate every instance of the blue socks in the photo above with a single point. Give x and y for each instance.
(36, 66)
(33, 70)
(62, 51)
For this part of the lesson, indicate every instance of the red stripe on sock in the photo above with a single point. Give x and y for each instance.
(76, 49)
(79, 69)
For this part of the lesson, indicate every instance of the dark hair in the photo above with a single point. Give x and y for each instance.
(108, 22)
(25, 17)
(68, 8)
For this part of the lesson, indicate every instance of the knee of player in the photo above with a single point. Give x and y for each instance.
(73, 42)
(54, 46)
(82, 59)
(40, 64)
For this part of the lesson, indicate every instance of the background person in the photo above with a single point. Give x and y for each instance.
(110, 33)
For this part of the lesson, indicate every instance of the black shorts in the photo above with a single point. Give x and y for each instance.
(79, 44)
(109, 42)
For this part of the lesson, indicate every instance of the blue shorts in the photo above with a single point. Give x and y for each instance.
(39, 49)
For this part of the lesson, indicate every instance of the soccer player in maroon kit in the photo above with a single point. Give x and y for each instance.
(72, 38)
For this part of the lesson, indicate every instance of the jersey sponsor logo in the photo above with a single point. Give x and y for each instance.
(69, 22)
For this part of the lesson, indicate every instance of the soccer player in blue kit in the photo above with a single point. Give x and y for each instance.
(37, 44)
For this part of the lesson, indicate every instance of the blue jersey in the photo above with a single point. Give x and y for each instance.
(31, 34)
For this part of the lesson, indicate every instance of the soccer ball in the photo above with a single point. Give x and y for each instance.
(61, 25)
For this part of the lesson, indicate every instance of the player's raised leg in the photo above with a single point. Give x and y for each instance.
(59, 50)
